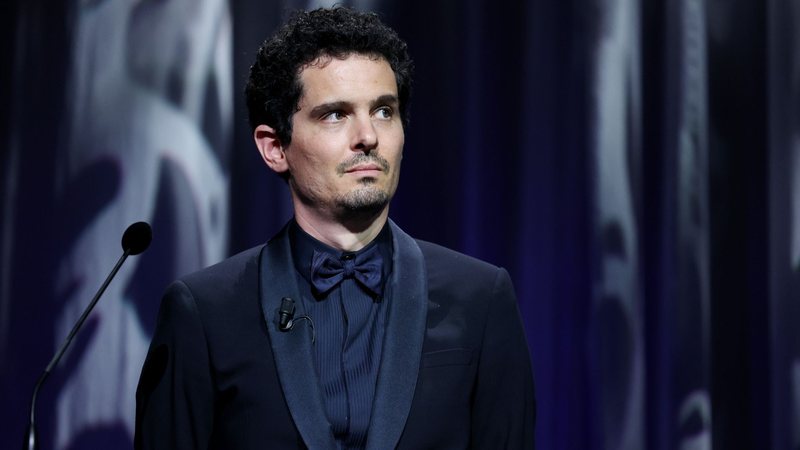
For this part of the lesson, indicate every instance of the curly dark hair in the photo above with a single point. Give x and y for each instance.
(274, 88)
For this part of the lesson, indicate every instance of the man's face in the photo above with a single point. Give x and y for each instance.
(347, 136)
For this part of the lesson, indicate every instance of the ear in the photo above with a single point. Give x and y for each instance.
(271, 148)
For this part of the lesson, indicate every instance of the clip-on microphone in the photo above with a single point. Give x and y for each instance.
(286, 317)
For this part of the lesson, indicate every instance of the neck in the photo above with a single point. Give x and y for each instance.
(350, 234)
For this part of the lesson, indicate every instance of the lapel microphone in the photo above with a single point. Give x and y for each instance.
(135, 240)
(286, 314)
(286, 318)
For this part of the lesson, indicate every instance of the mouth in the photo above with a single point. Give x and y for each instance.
(369, 165)
(364, 168)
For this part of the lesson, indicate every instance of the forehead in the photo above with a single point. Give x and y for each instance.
(355, 75)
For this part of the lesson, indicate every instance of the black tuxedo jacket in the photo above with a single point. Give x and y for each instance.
(455, 371)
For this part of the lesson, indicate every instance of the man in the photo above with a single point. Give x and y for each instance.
(342, 331)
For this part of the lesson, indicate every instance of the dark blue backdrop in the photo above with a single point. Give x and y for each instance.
(634, 164)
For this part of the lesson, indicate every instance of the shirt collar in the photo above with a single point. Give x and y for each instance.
(303, 246)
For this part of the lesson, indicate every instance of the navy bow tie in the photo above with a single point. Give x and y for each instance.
(327, 270)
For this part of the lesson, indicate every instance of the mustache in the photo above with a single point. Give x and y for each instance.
(362, 159)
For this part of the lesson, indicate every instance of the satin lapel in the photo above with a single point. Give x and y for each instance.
(292, 349)
(402, 347)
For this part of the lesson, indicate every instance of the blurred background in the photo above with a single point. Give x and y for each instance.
(634, 164)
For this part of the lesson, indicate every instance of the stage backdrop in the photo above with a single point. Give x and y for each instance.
(634, 164)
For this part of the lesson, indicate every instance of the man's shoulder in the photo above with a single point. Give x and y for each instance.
(226, 274)
(449, 265)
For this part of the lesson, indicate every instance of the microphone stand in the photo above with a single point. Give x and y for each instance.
(135, 240)
(32, 443)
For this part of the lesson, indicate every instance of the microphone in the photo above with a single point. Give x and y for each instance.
(286, 318)
(135, 240)
(286, 314)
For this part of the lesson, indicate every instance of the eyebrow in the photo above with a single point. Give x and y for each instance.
(387, 99)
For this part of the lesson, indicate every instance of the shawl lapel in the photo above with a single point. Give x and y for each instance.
(402, 346)
(292, 349)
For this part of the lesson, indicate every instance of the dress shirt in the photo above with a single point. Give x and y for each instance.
(349, 323)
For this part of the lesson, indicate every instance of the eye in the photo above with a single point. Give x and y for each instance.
(333, 116)
(384, 112)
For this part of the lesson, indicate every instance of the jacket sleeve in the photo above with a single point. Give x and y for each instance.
(175, 395)
(504, 404)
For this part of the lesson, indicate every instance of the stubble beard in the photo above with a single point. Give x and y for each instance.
(366, 199)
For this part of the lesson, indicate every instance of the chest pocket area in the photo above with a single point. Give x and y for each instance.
(446, 382)
(449, 357)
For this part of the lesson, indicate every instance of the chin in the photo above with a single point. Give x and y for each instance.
(364, 199)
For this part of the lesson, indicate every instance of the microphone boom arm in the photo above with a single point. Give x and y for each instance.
(135, 240)
(31, 442)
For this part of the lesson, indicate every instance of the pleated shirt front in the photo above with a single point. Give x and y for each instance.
(349, 324)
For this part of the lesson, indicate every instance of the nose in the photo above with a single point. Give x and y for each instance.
(365, 137)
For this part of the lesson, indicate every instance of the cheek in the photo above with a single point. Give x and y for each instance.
(302, 162)
(392, 142)
(401, 140)
(312, 172)
(397, 156)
